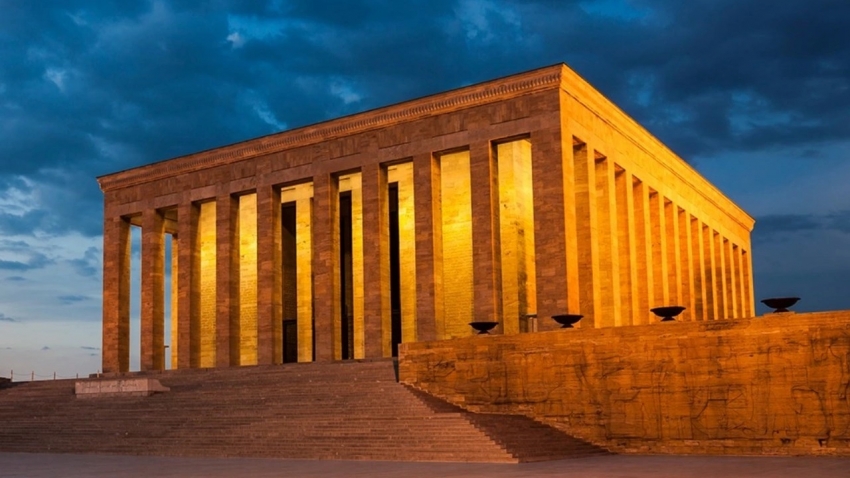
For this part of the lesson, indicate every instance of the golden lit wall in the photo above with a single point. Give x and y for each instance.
(302, 196)
(402, 174)
(248, 279)
(206, 232)
(516, 220)
(775, 384)
(352, 183)
(456, 212)
(173, 344)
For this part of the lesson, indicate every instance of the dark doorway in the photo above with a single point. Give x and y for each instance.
(346, 277)
(289, 282)
(290, 340)
(395, 270)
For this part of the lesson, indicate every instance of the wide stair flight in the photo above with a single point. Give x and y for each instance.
(344, 410)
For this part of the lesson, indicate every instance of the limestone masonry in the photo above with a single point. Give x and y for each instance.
(775, 384)
(527, 195)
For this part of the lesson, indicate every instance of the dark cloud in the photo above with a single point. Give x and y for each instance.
(4, 318)
(88, 88)
(90, 348)
(840, 221)
(767, 226)
(15, 279)
(71, 299)
(20, 249)
(35, 261)
(45, 348)
(107, 85)
(771, 227)
(89, 264)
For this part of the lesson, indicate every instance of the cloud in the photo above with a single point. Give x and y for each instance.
(89, 88)
(21, 256)
(4, 318)
(90, 264)
(36, 261)
(772, 226)
(45, 348)
(236, 40)
(90, 348)
(70, 299)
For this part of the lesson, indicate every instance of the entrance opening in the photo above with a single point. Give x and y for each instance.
(395, 270)
(289, 269)
(346, 279)
(290, 340)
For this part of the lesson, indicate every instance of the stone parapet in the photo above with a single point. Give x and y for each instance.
(775, 384)
(141, 387)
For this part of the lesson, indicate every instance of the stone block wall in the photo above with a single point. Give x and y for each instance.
(776, 384)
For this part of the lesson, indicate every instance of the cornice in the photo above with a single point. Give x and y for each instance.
(585, 94)
(474, 95)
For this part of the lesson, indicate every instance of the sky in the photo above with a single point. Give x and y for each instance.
(755, 95)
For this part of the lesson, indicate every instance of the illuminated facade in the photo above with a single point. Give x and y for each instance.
(527, 194)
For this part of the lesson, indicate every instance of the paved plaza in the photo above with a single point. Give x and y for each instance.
(94, 466)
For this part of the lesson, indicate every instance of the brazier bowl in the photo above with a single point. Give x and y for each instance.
(567, 320)
(668, 313)
(781, 304)
(483, 327)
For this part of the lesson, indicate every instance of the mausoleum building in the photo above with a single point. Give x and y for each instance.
(526, 196)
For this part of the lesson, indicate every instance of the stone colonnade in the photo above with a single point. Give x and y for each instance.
(642, 244)
(471, 227)
(528, 194)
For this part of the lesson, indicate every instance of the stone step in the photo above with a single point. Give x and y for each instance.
(349, 410)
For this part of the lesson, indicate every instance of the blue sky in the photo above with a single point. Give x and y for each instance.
(754, 96)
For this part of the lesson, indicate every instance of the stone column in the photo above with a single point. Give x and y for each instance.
(153, 291)
(731, 274)
(701, 266)
(626, 244)
(606, 238)
(747, 267)
(486, 268)
(587, 223)
(188, 287)
(674, 264)
(376, 277)
(407, 251)
(555, 229)
(326, 266)
(720, 281)
(658, 238)
(687, 297)
(697, 268)
(358, 318)
(227, 280)
(269, 276)
(304, 276)
(429, 251)
(711, 279)
(741, 307)
(643, 253)
(116, 295)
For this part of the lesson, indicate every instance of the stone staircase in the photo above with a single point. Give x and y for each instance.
(343, 410)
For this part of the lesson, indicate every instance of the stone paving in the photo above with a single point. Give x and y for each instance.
(616, 466)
